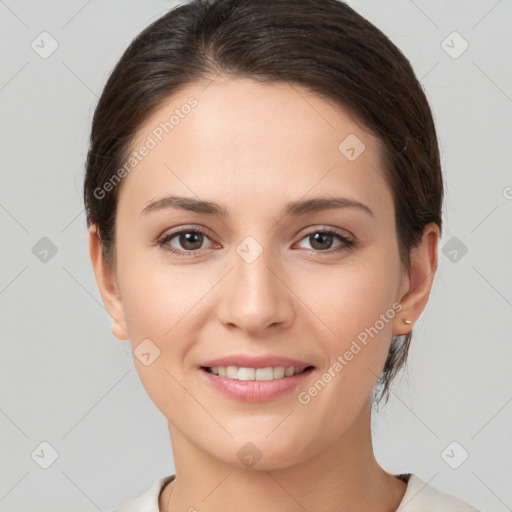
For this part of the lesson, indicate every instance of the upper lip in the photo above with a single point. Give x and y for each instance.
(245, 361)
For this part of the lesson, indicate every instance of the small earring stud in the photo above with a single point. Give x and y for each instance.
(407, 321)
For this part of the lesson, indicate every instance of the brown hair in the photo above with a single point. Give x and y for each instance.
(323, 45)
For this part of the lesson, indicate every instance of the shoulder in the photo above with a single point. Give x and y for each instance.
(148, 502)
(422, 497)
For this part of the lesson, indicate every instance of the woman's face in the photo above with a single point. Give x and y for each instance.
(261, 282)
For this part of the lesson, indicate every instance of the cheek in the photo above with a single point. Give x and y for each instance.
(350, 297)
(160, 316)
(165, 304)
(356, 303)
(155, 295)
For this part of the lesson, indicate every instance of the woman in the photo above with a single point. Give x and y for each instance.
(263, 195)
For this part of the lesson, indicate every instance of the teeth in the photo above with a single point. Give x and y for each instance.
(244, 373)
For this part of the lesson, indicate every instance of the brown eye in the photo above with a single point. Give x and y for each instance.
(187, 241)
(322, 241)
(190, 241)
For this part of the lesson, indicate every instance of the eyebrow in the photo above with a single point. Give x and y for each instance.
(295, 208)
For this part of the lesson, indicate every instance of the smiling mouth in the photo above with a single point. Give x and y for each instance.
(259, 374)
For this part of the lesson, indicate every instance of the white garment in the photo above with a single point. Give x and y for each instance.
(418, 497)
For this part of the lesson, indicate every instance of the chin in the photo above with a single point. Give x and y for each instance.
(261, 453)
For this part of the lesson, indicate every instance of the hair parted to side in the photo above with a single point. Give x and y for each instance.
(323, 45)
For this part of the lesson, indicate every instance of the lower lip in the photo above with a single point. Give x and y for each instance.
(254, 390)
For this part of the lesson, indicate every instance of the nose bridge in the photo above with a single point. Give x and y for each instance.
(255, 297)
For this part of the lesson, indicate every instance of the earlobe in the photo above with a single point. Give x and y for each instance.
(107, 285)
(421, 278)
(119, 331)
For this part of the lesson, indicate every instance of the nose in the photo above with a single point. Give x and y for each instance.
(254, 295)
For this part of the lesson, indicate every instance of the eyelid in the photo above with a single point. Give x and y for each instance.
(161, 240)
(185, 229)
(314, 228)
(348, 241)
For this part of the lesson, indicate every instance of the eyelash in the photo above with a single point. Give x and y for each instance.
(347, 243)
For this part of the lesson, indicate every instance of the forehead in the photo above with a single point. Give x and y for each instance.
(248, 141)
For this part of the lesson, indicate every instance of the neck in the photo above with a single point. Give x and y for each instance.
(342, 478)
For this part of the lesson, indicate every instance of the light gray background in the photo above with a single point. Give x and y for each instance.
(67, 381)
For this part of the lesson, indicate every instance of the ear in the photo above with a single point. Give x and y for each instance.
(107, 283)
(416, 285)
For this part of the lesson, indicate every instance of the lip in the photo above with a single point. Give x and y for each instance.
(245, 361)
(254, 390)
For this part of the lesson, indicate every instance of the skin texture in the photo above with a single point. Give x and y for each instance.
(252, 147)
